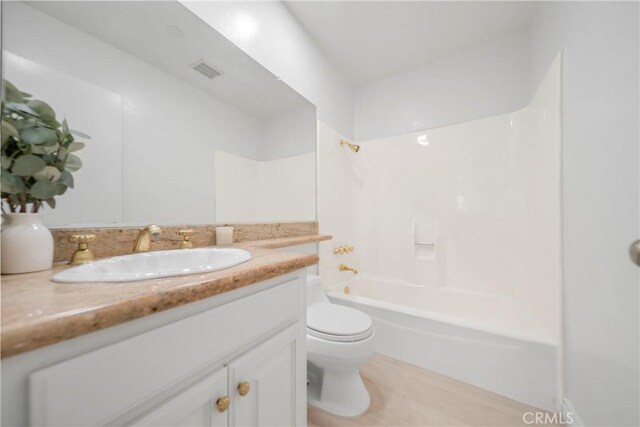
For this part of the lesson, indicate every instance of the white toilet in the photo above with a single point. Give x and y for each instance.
(339, 341)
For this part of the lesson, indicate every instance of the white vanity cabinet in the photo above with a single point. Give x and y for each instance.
(263, 384)
(248, 349)
(257, 389)
(204, 404)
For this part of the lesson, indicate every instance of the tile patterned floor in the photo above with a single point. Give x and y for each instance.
(405, 395)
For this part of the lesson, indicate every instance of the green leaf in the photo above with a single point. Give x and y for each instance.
(51, 202)
(11, 184)
(65, 126)
(78, 133)
(11, 93)
(18, 107)
(45, 149)
(73, 163)
(38, 135)
(50, 173)
(66, 178)
(75, 146)
(27, 165)
(8, 131)
(17, 124)
(60, 188)
(52, 141)
(6, 162)
(52, 123)
(63, 153)
(43, 190)
(42, 108)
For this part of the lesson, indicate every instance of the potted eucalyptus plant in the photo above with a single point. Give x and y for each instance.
(37, 166)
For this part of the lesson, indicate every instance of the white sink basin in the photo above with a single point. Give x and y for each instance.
(151, 265)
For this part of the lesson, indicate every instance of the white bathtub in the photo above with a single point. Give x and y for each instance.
(481, 340)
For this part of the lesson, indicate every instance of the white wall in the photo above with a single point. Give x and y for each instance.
(490, 79)
(270, 34)
(601, 186)
(250, 190)
(292, 133)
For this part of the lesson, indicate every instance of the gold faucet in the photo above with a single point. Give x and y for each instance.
(343, 267)
(143, 241)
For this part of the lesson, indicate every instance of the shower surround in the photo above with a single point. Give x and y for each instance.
(457, 233)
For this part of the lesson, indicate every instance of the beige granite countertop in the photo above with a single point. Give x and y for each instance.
(284, 242)
(37, 312)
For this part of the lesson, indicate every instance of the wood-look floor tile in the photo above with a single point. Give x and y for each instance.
(406, 395)
(382, 370)
(319, 418)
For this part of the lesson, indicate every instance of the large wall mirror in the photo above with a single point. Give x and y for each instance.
(185, 127)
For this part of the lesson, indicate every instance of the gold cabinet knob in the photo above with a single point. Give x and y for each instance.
(186, 239)
(83, 254)
(243, 388)
(222, 404)
(634, 252)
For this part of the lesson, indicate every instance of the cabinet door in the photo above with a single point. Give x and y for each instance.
(263, 382)
(194, 407)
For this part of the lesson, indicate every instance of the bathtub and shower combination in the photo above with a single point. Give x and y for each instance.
(457, 235)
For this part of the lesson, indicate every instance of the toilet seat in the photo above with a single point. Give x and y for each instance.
(338, 323)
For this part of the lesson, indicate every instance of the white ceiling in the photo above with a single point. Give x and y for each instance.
(146, 30)
(369, 40)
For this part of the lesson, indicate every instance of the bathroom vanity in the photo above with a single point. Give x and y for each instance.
(219, 348)
(230, 351)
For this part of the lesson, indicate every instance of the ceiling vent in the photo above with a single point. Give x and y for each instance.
(205, 69)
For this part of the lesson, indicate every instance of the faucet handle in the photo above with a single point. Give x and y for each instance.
(154, 230)
(342, 250)
(82, 239)
(186, 239)
(83, 254)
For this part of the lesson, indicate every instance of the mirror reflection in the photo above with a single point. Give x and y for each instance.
(185, 127)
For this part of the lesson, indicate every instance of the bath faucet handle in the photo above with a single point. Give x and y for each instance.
(186, 239)
(83, 254)
(342, 250)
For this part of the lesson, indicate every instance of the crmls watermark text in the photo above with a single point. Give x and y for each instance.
(542, 418)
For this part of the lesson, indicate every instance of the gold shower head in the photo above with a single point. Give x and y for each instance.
(355, 148)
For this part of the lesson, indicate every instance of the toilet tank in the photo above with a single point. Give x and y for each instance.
(315, 292)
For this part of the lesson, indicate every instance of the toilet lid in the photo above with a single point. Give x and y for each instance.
(338, 323)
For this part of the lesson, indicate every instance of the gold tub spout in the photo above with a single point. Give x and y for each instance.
(343, 267)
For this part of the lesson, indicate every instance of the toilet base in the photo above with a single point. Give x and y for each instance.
(340, 393)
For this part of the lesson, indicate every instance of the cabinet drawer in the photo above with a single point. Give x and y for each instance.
(105, 384)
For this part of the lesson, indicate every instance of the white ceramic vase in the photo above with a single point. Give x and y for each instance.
(27, 245)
